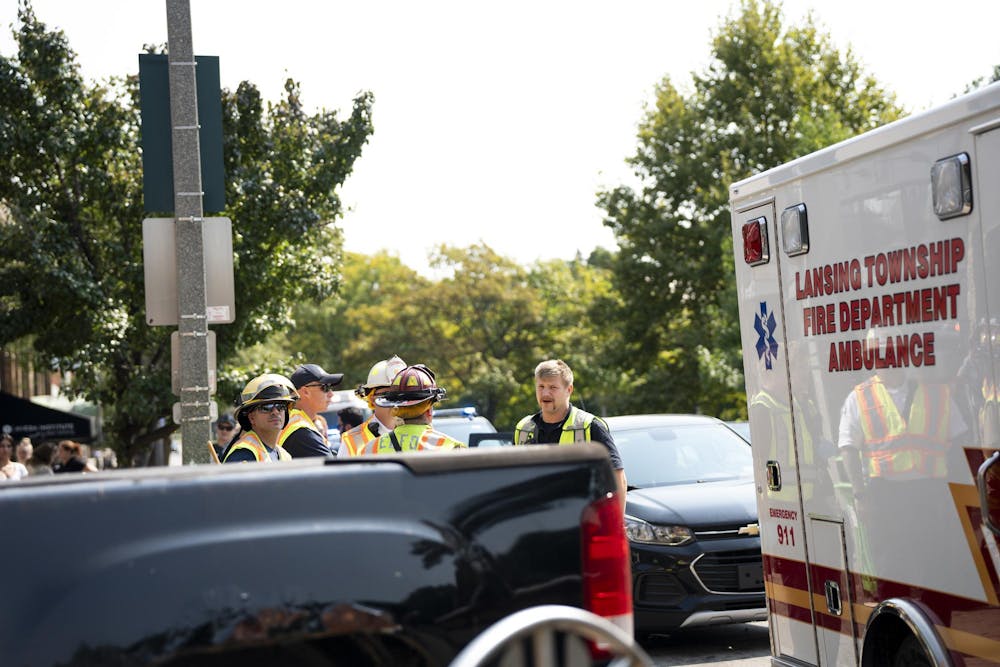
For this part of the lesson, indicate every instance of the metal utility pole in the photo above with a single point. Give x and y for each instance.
(195, 396)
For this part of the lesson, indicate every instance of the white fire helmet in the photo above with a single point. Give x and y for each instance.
(381, 375)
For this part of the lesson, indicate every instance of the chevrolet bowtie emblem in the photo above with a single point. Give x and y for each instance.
(750, 529)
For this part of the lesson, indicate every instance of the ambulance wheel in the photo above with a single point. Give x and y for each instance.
(911, 654)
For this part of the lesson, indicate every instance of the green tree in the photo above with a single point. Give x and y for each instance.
(771, 93)
(71, 272)
(351, 330)
(983, 81)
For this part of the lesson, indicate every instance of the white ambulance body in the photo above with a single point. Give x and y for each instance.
(868, 278)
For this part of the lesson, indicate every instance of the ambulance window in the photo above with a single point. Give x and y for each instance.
(951, 185)
(795, 230)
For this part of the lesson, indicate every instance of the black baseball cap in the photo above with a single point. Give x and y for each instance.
(309, 373)
(226, 419)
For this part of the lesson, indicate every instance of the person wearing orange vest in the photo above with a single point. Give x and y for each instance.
(262, 413)
(412, 396)
(303, 436)
(381, 420)
(897, 429)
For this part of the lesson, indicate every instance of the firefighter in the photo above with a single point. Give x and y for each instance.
(262, 413)
(305, 434)
(381, 420)
(411, 396)
(559, 422)
(894, 428)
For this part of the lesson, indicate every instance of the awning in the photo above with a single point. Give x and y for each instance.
(21, 417)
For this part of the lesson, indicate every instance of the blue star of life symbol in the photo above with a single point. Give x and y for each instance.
(764, 325)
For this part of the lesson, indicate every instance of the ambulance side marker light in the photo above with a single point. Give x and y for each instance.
(951, 186)
(795, 230)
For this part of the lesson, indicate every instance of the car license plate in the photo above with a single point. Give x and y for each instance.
(751, 577)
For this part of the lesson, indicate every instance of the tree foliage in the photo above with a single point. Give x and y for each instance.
(771, 93)
(71, 270)
(482, 326)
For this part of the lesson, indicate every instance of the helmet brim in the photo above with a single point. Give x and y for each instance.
(401, 399)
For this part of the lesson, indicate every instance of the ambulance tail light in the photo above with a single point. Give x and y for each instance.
(755, 249)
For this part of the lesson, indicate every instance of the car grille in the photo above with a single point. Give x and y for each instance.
(730, 571)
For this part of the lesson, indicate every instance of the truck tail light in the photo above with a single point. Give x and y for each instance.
(607, 570)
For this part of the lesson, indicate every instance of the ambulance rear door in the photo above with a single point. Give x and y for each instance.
(765, 361)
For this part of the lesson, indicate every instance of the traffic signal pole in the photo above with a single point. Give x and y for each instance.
(195, 394)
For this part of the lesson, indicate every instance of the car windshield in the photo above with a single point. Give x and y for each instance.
(662, 455)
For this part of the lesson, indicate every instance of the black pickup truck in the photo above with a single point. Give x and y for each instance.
(370, 561)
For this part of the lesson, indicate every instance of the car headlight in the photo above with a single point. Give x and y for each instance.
(643, 532)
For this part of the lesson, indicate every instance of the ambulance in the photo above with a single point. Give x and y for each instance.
(868, 279)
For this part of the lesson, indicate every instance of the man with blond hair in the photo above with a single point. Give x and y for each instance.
(559, 422)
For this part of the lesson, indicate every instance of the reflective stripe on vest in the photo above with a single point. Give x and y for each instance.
(904, 448)
(251, 442)
(356, 438)
(297, 419)
(412, 438)
(576, 428)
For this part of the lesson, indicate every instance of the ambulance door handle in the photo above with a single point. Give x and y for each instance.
(773, 476)
(990, 506)
(833, 597)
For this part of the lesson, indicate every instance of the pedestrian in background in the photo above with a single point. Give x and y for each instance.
(381, 420)
(40, 462)
(349, 418)
(69, 458)
(560, 422)
(412, 396)
(225, 427)
(24, 450)
(9, 468)
(262, 413)
(302, 436)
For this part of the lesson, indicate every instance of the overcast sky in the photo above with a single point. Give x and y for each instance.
(498, 122)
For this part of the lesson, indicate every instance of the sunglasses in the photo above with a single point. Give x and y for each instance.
(322, 386)
(270, 407)
(224, 427)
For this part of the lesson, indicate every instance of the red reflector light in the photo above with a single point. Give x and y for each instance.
(607, 569)
(755, 250)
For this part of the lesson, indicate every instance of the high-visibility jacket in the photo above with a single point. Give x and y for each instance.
(298, 419)
(249, 440)
(412, 438)
(904, 448)
(356, 438)
(576, 428)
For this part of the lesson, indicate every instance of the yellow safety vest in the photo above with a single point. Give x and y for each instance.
(356, 438)
(250, 441)
(298, 419)
(898, 448)
(576, 428)
(412, 438)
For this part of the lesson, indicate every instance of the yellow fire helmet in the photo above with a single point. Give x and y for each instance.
(266, 388)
